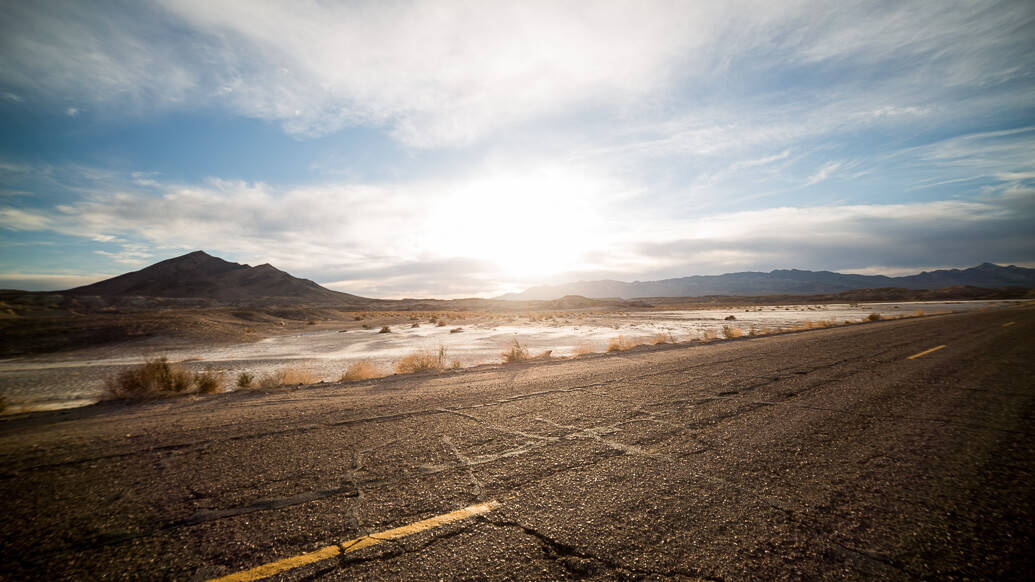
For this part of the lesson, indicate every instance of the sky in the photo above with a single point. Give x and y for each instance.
(457, 149)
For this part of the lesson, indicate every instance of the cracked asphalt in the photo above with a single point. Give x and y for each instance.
(824, 454)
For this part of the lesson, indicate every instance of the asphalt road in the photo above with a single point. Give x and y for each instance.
(822, 454)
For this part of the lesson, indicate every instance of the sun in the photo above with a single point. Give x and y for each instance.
(526, 226)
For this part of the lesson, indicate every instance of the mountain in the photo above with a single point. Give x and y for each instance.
(784, 282)
(200, 275)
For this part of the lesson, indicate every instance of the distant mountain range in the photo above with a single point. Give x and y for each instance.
(783, 282)
(200, 275)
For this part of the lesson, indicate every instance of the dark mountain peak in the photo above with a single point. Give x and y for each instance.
(201, 275)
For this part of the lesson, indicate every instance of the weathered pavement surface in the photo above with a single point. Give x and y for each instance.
(824, 454)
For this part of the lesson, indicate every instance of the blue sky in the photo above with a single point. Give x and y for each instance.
(459, 149)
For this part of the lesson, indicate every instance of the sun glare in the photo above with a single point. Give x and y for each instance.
(525, 225)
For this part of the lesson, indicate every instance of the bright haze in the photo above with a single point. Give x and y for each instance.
(447, 149)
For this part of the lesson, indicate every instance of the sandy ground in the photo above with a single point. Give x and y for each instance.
(71, 379)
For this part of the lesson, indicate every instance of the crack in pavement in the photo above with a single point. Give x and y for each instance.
(562, 553)
(466, 464)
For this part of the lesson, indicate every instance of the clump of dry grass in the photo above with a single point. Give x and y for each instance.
(440, 323)
(730, 332)
(456, 330)
(455, 365)
(154, 378)
(385, 329)
(874, 317)
(516, 353)
(361, 370)
(290, 376)
(421, 361)
(208, 381)
(244, 380)
(583, 349)
(622, 343)
(708, 335)
(663, 338)
(919, 313)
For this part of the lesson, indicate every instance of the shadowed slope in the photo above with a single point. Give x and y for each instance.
(201, 275)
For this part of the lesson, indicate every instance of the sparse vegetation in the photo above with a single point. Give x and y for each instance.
(874, 317)
(517, 353)
(440, 323)
(208, 381)
(456, 330)
(730, 332)
(385, 329)
(583, 349)
(155, 378)
(361, 370)
(244, 380)
(421, 361)
(622, 343)
(290, 376)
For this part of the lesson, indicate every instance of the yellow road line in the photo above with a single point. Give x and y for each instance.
(925, 352)
(272, 568)
(1009, 323)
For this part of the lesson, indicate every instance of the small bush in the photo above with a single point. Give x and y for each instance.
(663, 338)
(708, 335)
(583, 349)
(456, 330)
(517, 353)
(730, 332)
(622, 343)
(152, 379)
(385, 329)
(209, 381)
(361, 370)
(291, 376)
(421, 361)
(874, 317)
(440, 323)
(244, 380)
(455, 365)
(731, 318)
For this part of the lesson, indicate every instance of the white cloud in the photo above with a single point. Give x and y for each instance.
(449, 73)
(824, 172)
(493, 230)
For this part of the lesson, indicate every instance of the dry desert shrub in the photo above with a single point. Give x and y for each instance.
(708, 335)
(361, 370)
(385, 329)
(663, 338)
(244, 380)
(154, 378)
(516, 353)
(583, 349)
(874, 317)
(290, 376)
(730, 332)
(208, 381)
(622, 343)
(421, 361)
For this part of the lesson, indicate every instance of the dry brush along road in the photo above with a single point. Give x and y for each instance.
(825, 454)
